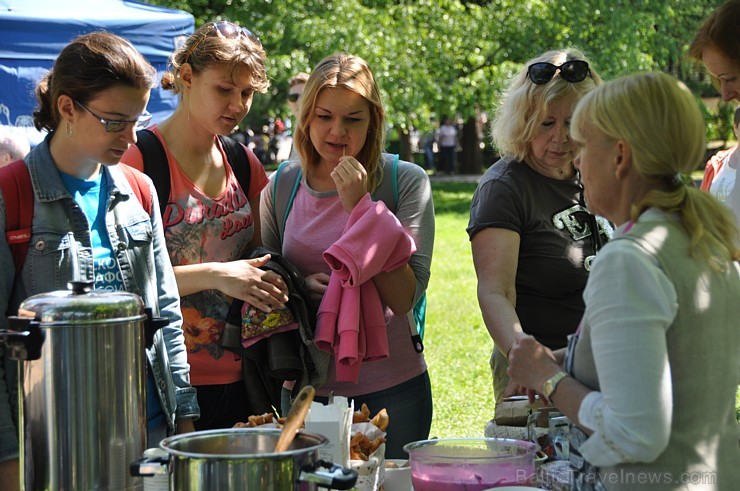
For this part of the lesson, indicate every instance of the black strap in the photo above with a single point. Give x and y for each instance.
(155, 164)
(237, 155)
(157, 167)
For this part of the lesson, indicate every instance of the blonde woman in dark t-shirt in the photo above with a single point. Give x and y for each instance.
(531, 235)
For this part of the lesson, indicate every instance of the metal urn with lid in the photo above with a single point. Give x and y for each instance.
(82, 373)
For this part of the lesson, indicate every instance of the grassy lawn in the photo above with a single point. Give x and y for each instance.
(457, 345)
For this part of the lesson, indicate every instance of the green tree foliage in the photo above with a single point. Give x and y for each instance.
(434, 57)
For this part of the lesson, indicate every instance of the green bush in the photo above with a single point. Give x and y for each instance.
(719, 122)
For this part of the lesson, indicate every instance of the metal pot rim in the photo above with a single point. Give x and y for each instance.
(91, 322)
(165, 444)
(71, 308)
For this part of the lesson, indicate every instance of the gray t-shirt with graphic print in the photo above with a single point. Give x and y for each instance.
(556, 244)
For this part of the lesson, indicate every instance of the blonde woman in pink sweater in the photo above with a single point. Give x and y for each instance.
(340, 138)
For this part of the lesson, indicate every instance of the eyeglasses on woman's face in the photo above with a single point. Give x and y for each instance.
(224, 29)
(115, 126)
(571, 71)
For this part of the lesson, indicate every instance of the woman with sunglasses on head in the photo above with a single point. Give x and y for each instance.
(340, 138)
(717, 45)
(85, 211)
(210, 221)
(532, 238)
(649, 378)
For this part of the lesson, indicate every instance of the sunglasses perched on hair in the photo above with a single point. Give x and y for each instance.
(227, 30)
(114, 126)
(571, 71)
(293, 97)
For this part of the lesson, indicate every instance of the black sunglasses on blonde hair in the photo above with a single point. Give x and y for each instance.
(571, 71)
(226, 30)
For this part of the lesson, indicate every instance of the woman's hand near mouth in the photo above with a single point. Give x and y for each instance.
(350, 178)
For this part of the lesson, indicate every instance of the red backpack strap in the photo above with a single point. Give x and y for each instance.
(15, 184)
(139, 186)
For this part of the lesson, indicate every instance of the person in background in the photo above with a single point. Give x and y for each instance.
(426, 145)
(261, 141)
(650, 376)
(340, 138)
(13, 145)
(446, 138)
(92, 102)
(532, 237)
(278, 127)
(295, 89)
(239, 136)
(717, 45)
(210, 221)
(720, 171)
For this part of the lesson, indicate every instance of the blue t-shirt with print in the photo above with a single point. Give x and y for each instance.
(92, 197)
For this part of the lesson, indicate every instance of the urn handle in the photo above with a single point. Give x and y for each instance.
(24, 338)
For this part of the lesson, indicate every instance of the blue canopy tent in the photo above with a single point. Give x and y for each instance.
(33, 32)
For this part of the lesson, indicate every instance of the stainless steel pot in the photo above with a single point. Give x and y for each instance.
(83, 378)
(244, 459)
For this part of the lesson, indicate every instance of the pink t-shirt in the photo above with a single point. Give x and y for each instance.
(199, 229)
(315, 222)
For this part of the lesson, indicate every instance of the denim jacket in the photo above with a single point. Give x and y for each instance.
(60, 244)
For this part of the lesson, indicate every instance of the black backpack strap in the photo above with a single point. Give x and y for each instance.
(156, 165)
(238, 156)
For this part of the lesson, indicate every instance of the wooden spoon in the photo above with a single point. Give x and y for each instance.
(295, 418)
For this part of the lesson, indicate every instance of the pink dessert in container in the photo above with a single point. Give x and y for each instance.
(470, 464)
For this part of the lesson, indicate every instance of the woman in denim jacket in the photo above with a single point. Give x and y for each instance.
(89, 225)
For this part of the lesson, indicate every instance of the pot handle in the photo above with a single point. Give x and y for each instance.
(24, 338)
(333, 477)
(149, 466)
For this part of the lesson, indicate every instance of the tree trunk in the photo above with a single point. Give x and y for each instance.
(470, 157)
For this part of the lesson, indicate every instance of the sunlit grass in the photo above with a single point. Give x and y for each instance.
(457, 343)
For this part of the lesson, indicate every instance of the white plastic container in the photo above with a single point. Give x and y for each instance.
(398, 478)
(159, 482)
